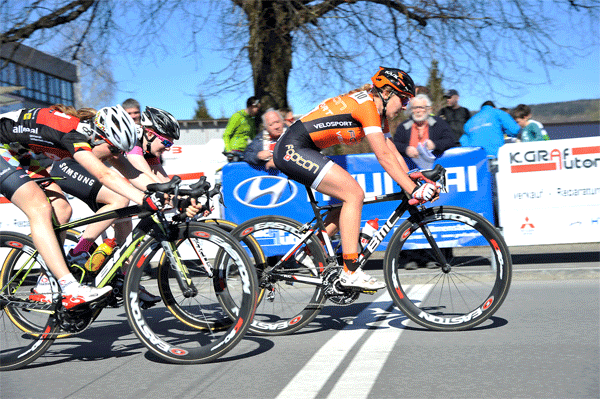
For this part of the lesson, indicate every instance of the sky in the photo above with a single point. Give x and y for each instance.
(172, 82)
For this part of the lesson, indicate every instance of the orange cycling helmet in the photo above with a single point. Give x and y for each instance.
(401, 83)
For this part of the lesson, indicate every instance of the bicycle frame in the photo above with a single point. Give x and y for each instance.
(317, 225)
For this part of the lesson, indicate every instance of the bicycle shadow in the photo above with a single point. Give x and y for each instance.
(106, 338)
(357, 317)
(111, 337)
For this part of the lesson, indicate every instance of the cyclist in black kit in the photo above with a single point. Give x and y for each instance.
(141, 166)
(60, 132)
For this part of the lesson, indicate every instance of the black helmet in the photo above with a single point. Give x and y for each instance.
(400, 81)
(161, 121)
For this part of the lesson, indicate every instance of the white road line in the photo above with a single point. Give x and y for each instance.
(361, 373)
(312, 377)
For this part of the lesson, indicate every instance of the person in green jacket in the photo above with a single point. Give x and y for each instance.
(240, 130)
(530, 130)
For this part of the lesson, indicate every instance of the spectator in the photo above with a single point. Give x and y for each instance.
(132, 107)
(260, 151)
(530, 130)
(486, 129)
(432, 132)
(288, 116)
(241, 129)
(454, 114)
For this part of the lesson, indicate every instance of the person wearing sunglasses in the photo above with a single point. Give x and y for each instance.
(159, 130)
(62, 132)
(348, 119)
(141, 167)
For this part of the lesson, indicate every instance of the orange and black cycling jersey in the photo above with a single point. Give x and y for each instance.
(44, 131)
(344, 119)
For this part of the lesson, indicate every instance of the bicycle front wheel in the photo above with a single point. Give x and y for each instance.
(190, 324)
(447, 268)
(287, 302)
(27, 328)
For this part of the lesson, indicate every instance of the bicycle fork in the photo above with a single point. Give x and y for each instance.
(182, 274)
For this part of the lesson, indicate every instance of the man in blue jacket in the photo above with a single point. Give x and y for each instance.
(486, 129)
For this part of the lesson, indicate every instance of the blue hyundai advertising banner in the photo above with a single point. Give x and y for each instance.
(249, 191)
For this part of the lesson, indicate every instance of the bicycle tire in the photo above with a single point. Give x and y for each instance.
(23, 339)
(284, 307)
(458, 298)
(177, 307)
(209, 332)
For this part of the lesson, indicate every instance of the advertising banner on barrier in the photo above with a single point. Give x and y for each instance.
(251, 192)
(549, 191)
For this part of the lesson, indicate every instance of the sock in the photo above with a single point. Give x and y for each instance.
(350, 262)
(67, 283)
(83, 245)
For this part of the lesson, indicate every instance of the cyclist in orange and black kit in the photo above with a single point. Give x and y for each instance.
(347, 119)
(62, 132)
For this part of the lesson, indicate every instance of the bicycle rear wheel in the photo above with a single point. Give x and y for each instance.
(285, 306)
(192, 326)
(458, 287)
(27, 329)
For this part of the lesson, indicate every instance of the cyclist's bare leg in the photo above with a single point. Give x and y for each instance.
(122, 229)
(340, 184)
(332, 222)
(62, 208)
(112, 201)
(32, 200)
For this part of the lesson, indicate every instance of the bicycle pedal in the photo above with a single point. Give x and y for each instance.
(369, 292)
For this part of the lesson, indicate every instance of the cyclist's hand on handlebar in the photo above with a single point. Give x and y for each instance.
(417, 176)
(153, 202)
(191, 208)
(424, 193)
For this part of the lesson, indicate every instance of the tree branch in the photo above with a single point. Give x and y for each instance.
(51, 20)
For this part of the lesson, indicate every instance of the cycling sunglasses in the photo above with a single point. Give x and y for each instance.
(164, 141)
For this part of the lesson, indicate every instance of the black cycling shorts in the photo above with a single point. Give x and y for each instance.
(77, 181)
(297, 156)
(12, 174)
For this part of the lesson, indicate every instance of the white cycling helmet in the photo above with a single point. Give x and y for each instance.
(116, 127)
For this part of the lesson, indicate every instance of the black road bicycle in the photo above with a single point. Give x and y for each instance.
(467, 280)
(196, 263)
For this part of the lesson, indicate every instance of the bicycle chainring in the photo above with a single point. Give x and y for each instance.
(334, 291)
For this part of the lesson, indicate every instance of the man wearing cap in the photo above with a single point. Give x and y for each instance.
(240, 130)
(454, 114)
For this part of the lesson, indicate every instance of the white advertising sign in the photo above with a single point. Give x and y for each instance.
(549, 191)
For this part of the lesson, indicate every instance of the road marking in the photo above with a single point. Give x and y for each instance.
(362, 370)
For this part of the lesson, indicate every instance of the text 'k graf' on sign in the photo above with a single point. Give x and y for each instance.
(549, 191)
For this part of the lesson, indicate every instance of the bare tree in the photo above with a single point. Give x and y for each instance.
(322, 44)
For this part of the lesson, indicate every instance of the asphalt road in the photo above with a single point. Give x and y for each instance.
(543, 342)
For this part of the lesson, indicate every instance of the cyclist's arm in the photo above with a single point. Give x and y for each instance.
(108, 177)
(389, 161)
(159, 172)
(399, 156)
(136, 177)
(139, 162)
